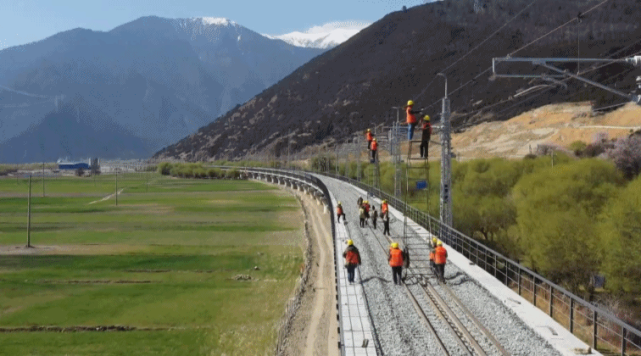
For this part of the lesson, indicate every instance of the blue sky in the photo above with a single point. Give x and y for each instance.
(24, 21)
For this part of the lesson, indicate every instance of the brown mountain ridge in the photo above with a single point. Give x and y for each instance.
(355, 85)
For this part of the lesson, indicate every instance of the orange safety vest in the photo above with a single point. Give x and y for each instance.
(351, 258)
(370, 136)
(396, 257)
(374, 145)
(366, 207)
(440, 255)
(411, 118)
(339, 210)
(431, 255)
(384, 208)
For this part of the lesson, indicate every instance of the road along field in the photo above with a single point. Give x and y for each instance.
(172, 266)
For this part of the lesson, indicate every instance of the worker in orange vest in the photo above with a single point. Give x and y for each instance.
(440, 258)
(411, 119)
(352, 260)
(395, 258)
(425, 137)
(432, 254)
(339, 212)
(369, 137)
(384, 206)
(374, 149)
(366, 207)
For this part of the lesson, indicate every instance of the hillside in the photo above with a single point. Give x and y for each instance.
(158, 79)
(355, 85)
(557, 125)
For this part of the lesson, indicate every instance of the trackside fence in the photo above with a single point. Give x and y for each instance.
(597, 327)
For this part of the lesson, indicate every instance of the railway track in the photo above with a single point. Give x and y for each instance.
(430, 304)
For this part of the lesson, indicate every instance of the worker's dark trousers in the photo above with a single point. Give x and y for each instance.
(386, 229)
(374, 222)
(440, 270)
(362, 221)
(339, 217)
(373, 156)
(397, 272)
(369, 145)
(424, 148)
(350, 272)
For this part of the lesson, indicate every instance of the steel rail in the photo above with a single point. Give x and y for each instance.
(420, 310)
(447, 314)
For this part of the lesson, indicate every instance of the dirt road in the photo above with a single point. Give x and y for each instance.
(314, 327)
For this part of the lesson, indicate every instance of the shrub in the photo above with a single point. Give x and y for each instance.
(626, 154)
(577, 147)
(165, 168)
(232, 174)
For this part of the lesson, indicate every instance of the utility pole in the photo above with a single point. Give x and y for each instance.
(446, 161)
(289, 137)
(116, 188)
(43, 179)
(29, 215)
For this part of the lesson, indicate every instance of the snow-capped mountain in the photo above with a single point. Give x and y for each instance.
(325, 37)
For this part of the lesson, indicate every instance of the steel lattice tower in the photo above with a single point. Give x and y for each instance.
(446, 161)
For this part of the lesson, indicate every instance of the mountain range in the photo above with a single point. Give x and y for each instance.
(152, 81)
(358, 84)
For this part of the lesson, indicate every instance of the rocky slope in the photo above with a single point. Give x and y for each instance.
(355, 85)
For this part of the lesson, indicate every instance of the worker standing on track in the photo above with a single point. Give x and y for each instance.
(352, 260)
(432, 254)
(440, 258)
(425, 137)
(411, 119)
(374, 150)
(385, 217)
(339, 212)
(369, 137)
(374, 216)
(384, 206)
(361, 215)
(366, 207)
(395, 258)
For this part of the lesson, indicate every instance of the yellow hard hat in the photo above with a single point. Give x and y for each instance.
(410, 103)
(374, 139)
(339, 203)
(426, 118)
(350, 242)
(384, 201)
(439, 243)
(365, 201)
(368, 130)
(394, 245)
(434, 240)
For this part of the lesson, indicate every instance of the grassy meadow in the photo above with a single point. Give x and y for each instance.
(163, 261)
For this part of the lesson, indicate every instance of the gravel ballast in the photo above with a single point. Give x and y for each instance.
(399, 328)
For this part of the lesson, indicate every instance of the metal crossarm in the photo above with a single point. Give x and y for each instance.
(562, 73)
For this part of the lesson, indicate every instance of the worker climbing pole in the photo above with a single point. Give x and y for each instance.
(416, 184)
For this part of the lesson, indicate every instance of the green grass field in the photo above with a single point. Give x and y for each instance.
(163, 259)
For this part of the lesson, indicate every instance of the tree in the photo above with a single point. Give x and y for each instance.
(556, 213)
(626, 154)
(622, 232)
